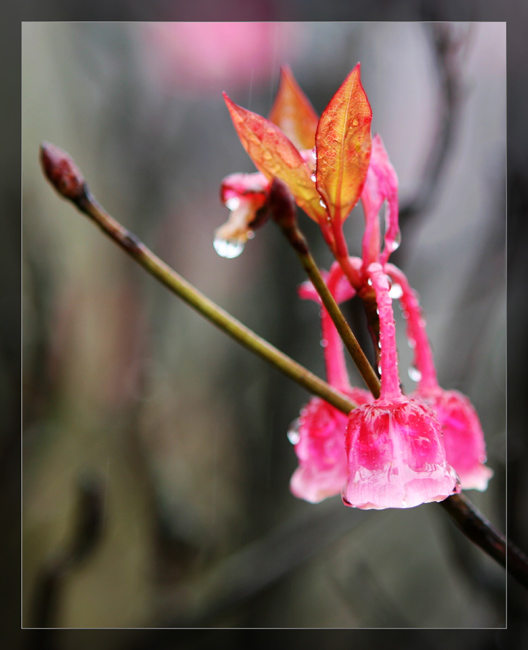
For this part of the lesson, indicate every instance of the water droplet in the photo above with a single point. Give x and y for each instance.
(355, 122)
(379, 369)
(322, 204)
(313, 177)
(232, 203)
(412, 343)
(324, 343)
(395, 291)
(293, 432)
(228, 248)
(414, 373)
(369, 282)
(250, 234)
(396, 241)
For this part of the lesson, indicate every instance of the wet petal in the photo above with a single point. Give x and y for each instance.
(396, 457)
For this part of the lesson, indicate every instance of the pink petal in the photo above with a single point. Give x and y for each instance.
(396, 457)
(320, 448)
(381, 185)
(463, 436)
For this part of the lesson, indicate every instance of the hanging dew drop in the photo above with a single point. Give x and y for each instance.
(228, 248)
(232, 203)
(395, 244)
(395, 291)
(293, 432)
(414, 373)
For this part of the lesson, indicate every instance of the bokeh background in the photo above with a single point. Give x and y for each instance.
(155, 457)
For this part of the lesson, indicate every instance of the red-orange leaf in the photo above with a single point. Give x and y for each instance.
(343, 145)
(276, 157)
(293, 113)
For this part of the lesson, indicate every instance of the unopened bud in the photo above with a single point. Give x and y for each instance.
(62, 172)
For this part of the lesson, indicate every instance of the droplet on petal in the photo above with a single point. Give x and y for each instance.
(232, 203)
(414, 373)
(228, 248)
(293, 432)
(395, 292)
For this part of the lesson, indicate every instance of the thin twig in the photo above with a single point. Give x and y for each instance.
(284, 214)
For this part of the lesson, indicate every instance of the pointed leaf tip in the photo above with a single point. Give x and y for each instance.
(293, 113)
(275, 156)
(344, 144)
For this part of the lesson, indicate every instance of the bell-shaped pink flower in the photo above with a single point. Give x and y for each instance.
(319, 437)
(395, 452)
(319, 432)
(463, 436)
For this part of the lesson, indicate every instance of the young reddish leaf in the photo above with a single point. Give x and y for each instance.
(343, 147)
(293, 113)
(276, 157)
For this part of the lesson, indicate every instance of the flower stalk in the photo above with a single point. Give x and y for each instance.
(283, 212)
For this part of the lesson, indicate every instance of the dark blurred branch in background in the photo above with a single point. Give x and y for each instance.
(86, 535)
(248, 572)
(447, 43)
(479, 530)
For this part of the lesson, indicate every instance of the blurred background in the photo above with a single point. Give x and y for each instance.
(155, 457)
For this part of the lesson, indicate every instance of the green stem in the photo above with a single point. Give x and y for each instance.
(300, 245)
(167, 276)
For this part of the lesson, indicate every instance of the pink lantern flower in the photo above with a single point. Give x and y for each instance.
(319, 433)
(396, 455)
(463, 436)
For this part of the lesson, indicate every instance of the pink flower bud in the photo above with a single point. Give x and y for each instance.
(319, 438)
(463, 436)
(62, 172)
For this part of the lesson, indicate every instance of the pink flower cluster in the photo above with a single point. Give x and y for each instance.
(395, 451)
